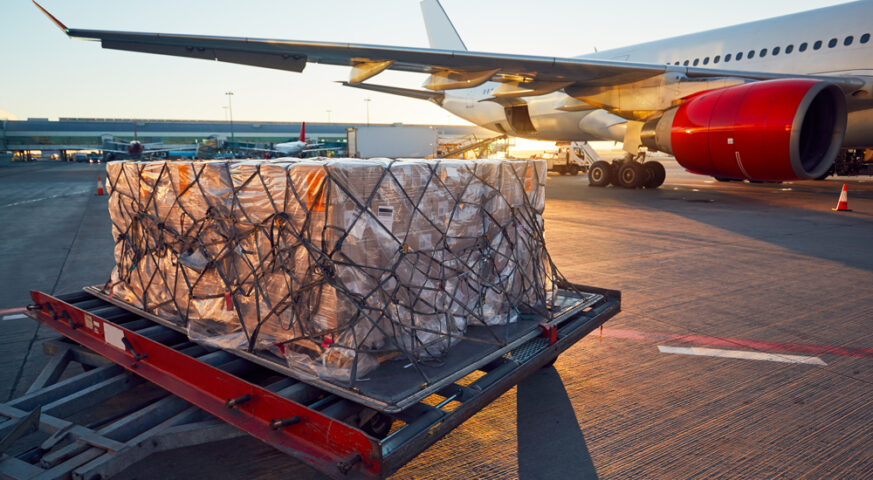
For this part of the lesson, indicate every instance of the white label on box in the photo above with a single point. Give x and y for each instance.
(113, 336)
(89, 324)
(385, 214)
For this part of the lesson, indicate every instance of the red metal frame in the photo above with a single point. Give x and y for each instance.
(327, 444)
(550, 332)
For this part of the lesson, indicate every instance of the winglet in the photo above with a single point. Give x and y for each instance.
(440, 31)
(52, 18)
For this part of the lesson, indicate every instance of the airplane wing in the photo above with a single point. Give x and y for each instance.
(165, 148)
(294, 55)
(322, 149)
(310, 148)
(113, 150)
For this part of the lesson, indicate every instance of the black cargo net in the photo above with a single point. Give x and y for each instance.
(335, 265)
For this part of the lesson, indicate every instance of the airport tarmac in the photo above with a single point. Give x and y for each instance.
(744, 348)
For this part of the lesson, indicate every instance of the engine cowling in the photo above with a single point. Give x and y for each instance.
(771, 130)
(135, 148)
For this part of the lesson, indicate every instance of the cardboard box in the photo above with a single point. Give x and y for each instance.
(333, 263)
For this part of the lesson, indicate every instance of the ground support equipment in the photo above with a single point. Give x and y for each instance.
(93, 424)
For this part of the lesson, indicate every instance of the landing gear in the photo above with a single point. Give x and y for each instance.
(632, 171)
(599, 174)
(656, 174)
(631, 175)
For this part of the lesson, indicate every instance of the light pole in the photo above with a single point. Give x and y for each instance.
(367, 100)
(230, 109)
(328, 115)
(225, 112)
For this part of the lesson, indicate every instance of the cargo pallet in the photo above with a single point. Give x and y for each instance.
(66, 426)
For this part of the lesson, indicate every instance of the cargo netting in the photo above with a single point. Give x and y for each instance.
(333, 265)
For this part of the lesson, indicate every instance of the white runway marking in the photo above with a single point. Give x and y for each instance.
(742, 354)
(33, 200)
(14, 317)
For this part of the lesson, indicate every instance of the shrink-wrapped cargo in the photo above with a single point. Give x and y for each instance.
(334, 264)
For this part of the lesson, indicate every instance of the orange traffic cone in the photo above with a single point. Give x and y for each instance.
(99, 187)
(843, 204)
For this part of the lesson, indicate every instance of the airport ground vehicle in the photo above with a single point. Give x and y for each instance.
(572, 158)
(209, 390)
(386, 141)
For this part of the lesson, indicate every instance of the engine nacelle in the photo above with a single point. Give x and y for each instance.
(771, 130)
(135, 148)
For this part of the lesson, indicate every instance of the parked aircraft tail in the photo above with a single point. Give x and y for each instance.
(440, 31)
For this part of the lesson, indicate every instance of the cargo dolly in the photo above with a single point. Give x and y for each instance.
(147, 388)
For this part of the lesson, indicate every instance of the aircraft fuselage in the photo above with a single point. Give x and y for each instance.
(832, 41)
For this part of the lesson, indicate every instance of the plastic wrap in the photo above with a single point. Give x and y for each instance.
(334, 264)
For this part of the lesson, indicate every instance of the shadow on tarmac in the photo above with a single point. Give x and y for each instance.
(550, 442)
(749, 211)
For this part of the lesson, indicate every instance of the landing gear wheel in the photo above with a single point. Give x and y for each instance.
(616, 166)
(378, 426)
(631, 175)
(600, 174)
(655, 174)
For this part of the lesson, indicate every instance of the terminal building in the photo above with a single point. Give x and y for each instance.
(39, 136)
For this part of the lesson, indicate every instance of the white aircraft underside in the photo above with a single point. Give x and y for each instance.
(782, 111)
(838, 22)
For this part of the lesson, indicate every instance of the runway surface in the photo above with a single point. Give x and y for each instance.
(744, 349)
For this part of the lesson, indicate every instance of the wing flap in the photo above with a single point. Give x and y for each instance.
(405, 92)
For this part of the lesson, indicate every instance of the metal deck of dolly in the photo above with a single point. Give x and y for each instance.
(209, 390)
(394, 386)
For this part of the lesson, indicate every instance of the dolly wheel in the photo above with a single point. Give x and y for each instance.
(378, 426)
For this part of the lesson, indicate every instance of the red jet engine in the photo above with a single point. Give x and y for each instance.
(771, 130)
(135, 148)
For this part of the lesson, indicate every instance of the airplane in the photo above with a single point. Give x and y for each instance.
(780, 99)
(292, 148)
(114, 148)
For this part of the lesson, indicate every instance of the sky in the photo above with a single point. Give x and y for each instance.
(45, 74)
